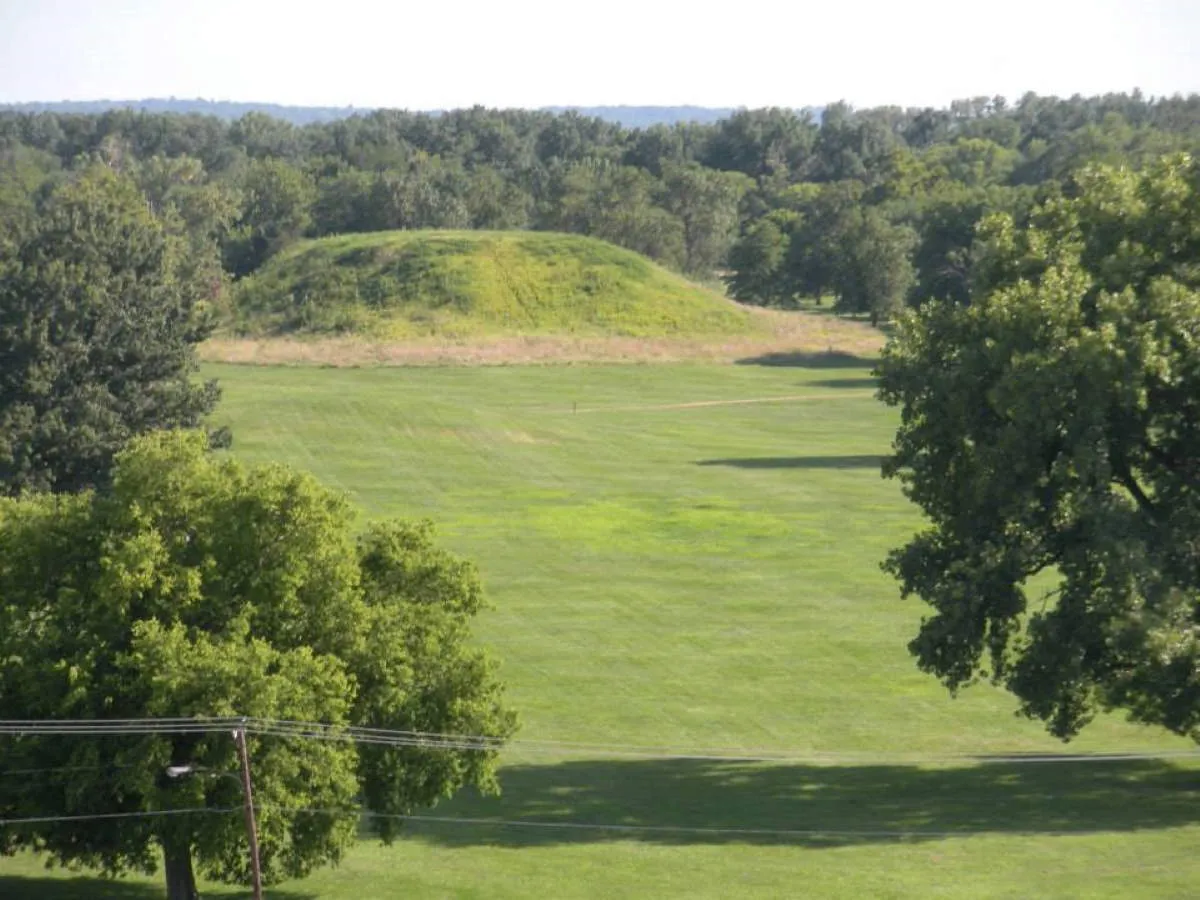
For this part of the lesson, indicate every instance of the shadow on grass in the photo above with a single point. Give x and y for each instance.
(818, 806)
(828, 360)
(866, 381)
(797, 462)
(48, 888)
(15, 887)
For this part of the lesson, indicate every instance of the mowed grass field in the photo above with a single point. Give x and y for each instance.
(686, 557)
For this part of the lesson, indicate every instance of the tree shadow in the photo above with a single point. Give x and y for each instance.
(49, 888)
(705, 802)
(17, 887)
(797, 462)
(831, 359)
(866, 381)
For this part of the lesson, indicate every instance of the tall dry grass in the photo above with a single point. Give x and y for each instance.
(785, 333)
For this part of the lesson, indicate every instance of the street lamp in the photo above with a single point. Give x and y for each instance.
(189, 769)
(180, 771)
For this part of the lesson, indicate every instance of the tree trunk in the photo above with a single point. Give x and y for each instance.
(181, 880)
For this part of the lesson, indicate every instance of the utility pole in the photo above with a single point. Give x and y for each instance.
(239, 737)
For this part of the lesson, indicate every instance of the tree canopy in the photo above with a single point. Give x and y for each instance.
(198, 587)
(686, 194)
(1052, 425)
(101, 306)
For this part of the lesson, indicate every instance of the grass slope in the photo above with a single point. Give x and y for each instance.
(406, 284)
(687, 556)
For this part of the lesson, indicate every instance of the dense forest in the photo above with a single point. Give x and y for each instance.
(868, 209)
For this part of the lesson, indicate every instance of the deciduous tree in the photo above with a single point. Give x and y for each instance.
(758, 260)
(200, 587)
(706, 203)
(277, 200)
(874, 271)
(1053, 426)
(99, 318)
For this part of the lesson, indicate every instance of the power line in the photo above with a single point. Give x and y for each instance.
(149, 813)
(464, 741)
(288, 729)
(782, 757)
(143, 720)
(54, 770)
(404, 739)
(100, 727)
(623, 827)
(628, 828)
(613, 827)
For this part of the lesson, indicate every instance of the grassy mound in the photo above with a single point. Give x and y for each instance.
(402, 284)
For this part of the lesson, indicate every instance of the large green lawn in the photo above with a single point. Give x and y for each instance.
(672, 566)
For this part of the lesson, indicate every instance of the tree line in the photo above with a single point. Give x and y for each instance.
(873, 209)
(629, 116)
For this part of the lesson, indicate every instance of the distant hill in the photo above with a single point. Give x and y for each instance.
(222, 109)
(627, 116)
(457, 284)
(645, 116)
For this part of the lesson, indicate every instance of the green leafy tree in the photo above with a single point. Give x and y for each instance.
(841, 246)
(852, 146)
(99, 319)
(264, 137)
(495, 203)
(762, 143)
(344, 203)
(1053, 426)
(277, 201)
(23, 172)
(945, 222)
(199, 587)
(199, 211)
(873, 272)
(972, 162)
(617, 204)
(430, 194)
(758, 261)
(706, 203)
(816, 249)
(660, 146)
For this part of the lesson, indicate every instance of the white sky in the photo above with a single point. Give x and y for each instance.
(426, 54)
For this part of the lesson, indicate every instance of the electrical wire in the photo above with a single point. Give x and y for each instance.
(405, 739)
(87, 817)
(103, 728)
(425, 740)
(614, 827)
(54, 770)
(144, 720)
(628, 828)
(474, 742)
(287, 729)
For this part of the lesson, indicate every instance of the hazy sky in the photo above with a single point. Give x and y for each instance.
(425, 54)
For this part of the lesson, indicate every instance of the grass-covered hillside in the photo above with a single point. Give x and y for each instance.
(409, 284)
